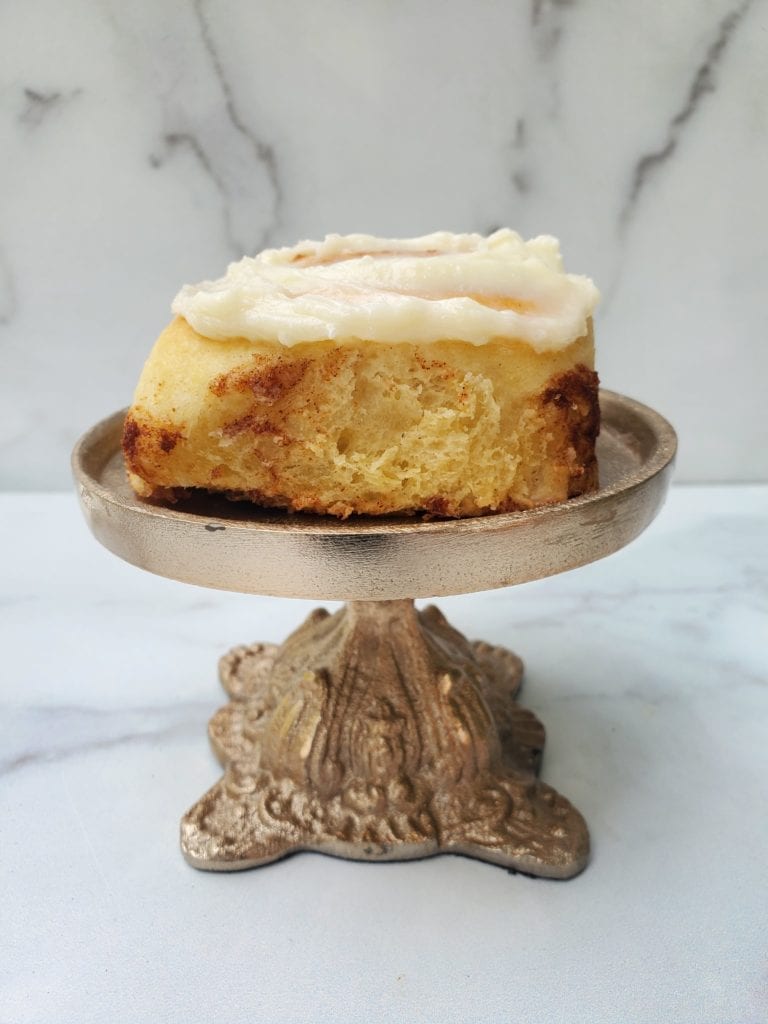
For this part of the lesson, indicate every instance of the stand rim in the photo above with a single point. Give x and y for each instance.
(229, 547)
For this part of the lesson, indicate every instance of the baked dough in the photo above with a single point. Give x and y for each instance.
(346, 426)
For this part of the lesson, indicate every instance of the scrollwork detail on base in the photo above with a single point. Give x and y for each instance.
(380, 733)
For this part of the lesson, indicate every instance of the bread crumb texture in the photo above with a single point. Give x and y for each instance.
(445, 428)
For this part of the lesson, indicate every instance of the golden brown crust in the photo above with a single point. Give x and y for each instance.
(447, 430)
(571, 402)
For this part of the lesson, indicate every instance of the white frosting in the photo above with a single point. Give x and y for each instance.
(437, 287)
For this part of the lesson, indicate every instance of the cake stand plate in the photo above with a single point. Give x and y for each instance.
(380, 732)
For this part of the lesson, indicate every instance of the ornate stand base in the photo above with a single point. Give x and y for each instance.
(380, 733)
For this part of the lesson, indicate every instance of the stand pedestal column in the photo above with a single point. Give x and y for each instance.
(380, 733)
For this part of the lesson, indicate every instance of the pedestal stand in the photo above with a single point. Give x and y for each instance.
(380, 732)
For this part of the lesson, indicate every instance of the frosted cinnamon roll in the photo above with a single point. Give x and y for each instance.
(451, 374)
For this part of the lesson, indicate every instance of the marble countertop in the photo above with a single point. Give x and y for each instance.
(650, 672)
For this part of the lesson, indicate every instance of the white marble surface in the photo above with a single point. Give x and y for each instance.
(650, 671)
(147, 144)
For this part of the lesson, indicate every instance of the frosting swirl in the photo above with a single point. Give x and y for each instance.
(443, 286)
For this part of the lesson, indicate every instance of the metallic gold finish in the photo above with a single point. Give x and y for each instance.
(379, 733)
(212, 542)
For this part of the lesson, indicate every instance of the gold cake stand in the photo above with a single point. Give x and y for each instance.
(379, 732)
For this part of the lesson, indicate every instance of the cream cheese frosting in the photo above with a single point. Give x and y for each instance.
(443, 286)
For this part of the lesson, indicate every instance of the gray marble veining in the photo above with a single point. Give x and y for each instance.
(72, 731)
(263, 152)
(146, 145)
(703, 82)
(650, 671)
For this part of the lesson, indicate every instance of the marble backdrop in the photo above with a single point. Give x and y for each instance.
(145, 144)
